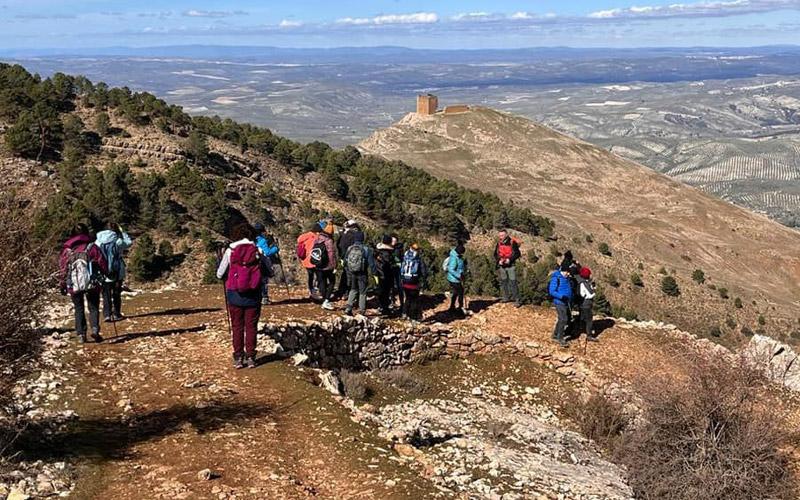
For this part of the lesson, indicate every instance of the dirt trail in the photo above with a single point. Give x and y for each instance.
(160, 402)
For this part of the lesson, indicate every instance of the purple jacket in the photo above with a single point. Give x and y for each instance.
(328, 240)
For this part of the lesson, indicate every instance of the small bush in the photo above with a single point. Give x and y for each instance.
(698, 276)
(612, 281)
(640, 266)
(670, 287)
(356, 385)
(589, 238)
(731, 322)
(737, 303)
(144, 264)
(762, 320)
(621, 312)
(210, 273)
(599, 418)
(715, 331)
(636, 280)
(723, 292)
(663, 270)
(604, 249)
(402, 379)
(165, 249)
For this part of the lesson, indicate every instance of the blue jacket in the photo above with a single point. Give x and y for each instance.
(123, 243)
(560, 289)
(268, 250)
(455, 267)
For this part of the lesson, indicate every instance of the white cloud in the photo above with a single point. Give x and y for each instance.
(471, 16)
(522, 15)
(415, 18)
(697, 9)
(213, 13)
(288, 23)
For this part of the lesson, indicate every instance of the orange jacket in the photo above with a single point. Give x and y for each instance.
(307, 240)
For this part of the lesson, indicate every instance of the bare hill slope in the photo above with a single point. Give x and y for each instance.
(644, 216)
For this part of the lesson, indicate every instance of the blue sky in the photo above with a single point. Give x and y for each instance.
(411, 23)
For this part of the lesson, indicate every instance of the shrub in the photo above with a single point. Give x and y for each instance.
(707, 435)
(670, 287)
(762, 320)
(144, 262)
(599, 418)
(731, 322)
(747, 331)
(621, 312)
(165, 249)
(402, 379)
(356, 385)
(737, 303)
(699, 276)
(210, 272)
(612, 281)
(640, 266)
(601, 304)
(715, 331)
(723, 292)
(663, 270)
(636, 280)
(604, 249)
(589, 238)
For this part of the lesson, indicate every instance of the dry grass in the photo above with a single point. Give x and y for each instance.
(402, 379)
(356, 385)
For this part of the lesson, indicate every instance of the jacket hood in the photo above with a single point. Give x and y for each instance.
(76, 240)
(107, 236)
(240, 242)
(384, 246)
(454, 254)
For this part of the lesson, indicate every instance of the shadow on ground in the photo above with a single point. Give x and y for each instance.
(178, 311)
(107, 438)
(127, 337)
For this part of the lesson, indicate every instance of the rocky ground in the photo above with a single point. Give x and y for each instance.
(157, 408)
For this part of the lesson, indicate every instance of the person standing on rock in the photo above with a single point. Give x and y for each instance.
(351, 232)
(397, 261)
(243, 267)
(268, 249)
(456, 269)
(82, 268)
(413, 274)
(113, 242)
(358, 263)
(506, 254)
(560, 291)
(384, 270)
(323, 257)
(586, 292)
(305, 243)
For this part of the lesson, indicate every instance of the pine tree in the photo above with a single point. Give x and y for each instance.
(197, 147)
(102, 124)
(670, 287)
(144, 262)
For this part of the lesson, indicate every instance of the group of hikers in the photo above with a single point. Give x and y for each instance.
(94, 267)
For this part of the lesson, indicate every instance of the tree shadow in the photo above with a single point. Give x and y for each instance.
(445, 317)
(127, 337)
(602, 325)
(293, 300)
(480, 305)
(108, 438)
(180, 311)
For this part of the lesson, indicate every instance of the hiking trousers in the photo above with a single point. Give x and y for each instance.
(587, 319)
(312, 278)
(325, 281)
(413, 305)
(244, 328)
(385, 286)
(358, 290)
(562, 324)
(344, 285)
(456, 295)
(112, 299)
(397, 288)
(91, 298)
(508, 283)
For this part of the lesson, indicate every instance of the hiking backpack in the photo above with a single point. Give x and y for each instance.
(446, 264)
(80, 270)
(301, 250)
(354, 258)
(319, 254)
(410, 269)
(506, 252)
(244, 273)
(113, 260)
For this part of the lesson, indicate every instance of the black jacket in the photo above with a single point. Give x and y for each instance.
(347, 239)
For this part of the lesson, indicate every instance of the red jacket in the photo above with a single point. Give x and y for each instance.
(78, 244)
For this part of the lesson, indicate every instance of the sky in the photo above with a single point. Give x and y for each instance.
(451, 24)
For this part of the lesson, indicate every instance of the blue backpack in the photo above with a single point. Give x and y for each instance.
(410, 269)
(113, 259)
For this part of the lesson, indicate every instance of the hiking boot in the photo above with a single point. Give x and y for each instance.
(518, 305)
(265, 301)
(251, 361)
(108, 319)
(563, 343)
(238, 363)
(97, 337)
(592, 338)
(117, 317)
(81, 338)
(348, 312)
(328, 306)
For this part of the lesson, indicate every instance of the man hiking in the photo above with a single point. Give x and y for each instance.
(384, 270)
(358, 262)
(113, 242)
(397, 261)
(560, 291)
(351, 232)
(413, 274)
(586, 293)
(323, 258)
(506, 254)
(242, 267)
(269, 249)
(305, 242)
(456, 269)
(82, 268)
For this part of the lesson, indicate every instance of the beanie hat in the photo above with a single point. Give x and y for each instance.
(387, 240)
(329, 228)
(565, 268)
(585, 273)
(259, 227)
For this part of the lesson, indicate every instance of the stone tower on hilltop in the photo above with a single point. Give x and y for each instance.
(427, 104)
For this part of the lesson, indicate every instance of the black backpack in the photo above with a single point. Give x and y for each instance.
(319, 255)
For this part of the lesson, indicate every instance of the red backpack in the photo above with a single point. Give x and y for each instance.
(244, 273)
(506, 252)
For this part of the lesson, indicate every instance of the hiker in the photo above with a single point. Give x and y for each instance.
(358, 263)
(561, 292)
(81, 269)
(323, 257)
(456, 268)
(269, 249)
(397, 261)
(351, 232)
(305, 242)
(506, 253)
(384, 270)
(413, 274)
(113, 242)
(243, 267)
(586, 293)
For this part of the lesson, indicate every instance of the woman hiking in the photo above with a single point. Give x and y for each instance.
(456, 266)
(82, 269)
(243, 267)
